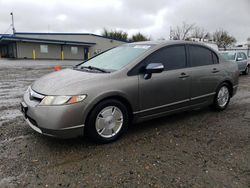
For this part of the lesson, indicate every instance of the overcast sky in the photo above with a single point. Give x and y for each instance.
(150, 17)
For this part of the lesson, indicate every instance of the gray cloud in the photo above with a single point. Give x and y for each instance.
(152, 18)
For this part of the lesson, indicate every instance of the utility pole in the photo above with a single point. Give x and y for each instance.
(12, 24)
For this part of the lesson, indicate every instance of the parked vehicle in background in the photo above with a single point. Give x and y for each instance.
(238, 57)
(130, 83)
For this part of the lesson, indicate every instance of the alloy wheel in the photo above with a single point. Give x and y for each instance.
(109, 121)
(223, 96)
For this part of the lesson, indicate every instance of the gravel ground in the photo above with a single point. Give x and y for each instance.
(199, 148)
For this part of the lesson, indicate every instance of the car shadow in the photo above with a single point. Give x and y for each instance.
(171, 121)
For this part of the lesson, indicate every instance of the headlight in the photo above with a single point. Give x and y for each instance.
(60, 100)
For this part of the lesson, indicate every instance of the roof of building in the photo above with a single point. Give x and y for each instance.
(50, 41)
(59, 33)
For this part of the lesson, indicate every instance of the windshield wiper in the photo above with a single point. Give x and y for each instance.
(94, 68)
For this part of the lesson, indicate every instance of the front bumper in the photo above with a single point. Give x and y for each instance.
(64, 121)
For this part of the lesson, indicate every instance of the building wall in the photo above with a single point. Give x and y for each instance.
(69, 55)
(25, 50)
(102, 44)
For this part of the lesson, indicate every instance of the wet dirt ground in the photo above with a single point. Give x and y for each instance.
(200, 148)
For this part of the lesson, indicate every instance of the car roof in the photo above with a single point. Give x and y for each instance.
(170, 42)
(167, 42)
(162, 43)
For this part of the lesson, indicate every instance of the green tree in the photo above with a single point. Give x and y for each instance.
(138, 37)
(223, 39)
(113, 34)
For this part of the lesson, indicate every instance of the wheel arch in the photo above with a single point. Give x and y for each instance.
(230, 84)
(117, 96)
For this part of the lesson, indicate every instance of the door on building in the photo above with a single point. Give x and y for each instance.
(86, 53)
(8, 50)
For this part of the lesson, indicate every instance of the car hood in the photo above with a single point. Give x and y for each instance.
(67, 82)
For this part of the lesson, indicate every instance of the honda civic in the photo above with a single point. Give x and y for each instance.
(131, 83)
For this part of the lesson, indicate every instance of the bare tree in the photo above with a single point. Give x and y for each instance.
(223, 39)
(209, 36)
(200, 33)
(182, 32)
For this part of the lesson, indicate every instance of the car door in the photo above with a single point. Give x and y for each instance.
(167, 90)
(206, 73)
(243, 62)
(240, 61)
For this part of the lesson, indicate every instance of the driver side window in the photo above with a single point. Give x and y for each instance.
(172, 57)
(243, 55)
(238, 56)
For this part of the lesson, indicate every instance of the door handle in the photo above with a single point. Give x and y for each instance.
(215, 70)
(183, 75)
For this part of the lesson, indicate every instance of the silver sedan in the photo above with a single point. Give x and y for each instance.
(128, 84)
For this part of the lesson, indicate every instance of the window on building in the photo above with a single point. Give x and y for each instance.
(74, 49)
(44, 48)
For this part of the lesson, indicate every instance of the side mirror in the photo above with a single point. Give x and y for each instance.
(153, 68)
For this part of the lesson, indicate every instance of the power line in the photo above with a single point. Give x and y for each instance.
(8, 29)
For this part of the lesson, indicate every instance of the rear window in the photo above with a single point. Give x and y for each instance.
(200, 56)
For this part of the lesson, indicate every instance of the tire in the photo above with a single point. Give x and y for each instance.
(107, 121)
(222, 97)
(246, 71)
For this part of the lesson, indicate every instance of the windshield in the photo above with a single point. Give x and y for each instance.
(229, 55)
(116, 58)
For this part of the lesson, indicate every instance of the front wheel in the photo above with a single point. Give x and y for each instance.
(107, 121)
(222, 97)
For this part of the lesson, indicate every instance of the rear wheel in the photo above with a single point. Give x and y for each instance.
(246, 72)
(107, 121)
(222, 97)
